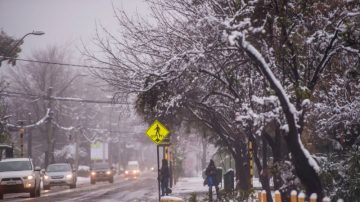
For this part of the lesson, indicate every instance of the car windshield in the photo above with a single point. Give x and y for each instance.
(98, 166)
(58, 168)
(133, 167)
(15, 166)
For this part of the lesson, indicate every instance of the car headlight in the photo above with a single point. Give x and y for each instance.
(30, 177)
(108, 172)
(93, 173)
(69, 176)
(126, 172)
(46, 177)
(134, 171)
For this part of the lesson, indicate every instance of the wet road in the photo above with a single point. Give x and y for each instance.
(143, 189)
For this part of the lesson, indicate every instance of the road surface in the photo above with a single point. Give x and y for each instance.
(143, 189)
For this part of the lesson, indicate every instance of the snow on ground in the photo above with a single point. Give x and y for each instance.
(195, 184)
(256, 183)
(83, 180)
(189, 185)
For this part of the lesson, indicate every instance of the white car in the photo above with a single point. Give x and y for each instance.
(132, 170)
(18, 175)
(59, 174)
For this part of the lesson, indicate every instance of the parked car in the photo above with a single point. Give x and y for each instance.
(101, 172)
(18, 175)
(132, 170)
(59, 174)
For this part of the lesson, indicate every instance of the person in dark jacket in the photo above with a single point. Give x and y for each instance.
(164, 177)
(211, 179)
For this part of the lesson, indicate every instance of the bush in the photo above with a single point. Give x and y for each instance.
(341, 176)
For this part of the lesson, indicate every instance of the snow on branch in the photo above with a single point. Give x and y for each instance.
(41, 121)
(62, 127)
(38, 123)
(239, 39)
(234, 39)
(264, 100)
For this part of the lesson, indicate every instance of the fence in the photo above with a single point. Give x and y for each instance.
(294, 197)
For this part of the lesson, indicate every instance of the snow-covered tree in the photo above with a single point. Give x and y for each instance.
(238, 66)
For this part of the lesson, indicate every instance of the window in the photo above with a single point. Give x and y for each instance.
(58, 168)
(15, 166)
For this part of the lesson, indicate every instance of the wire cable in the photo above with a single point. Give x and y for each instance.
(59, 63)
(68, 99)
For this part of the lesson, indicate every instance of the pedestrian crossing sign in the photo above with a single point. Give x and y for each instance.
(157, 132)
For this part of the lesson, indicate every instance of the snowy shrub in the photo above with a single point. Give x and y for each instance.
(341, 176)
(350, 182)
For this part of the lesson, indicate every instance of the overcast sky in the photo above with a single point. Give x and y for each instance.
(65, 22)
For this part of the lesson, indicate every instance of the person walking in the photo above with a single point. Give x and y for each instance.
(164, 177)
(211, 179)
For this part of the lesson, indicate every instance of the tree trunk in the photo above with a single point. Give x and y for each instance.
(306, 173)
(242, 167)
(304, 170)
(264, 174)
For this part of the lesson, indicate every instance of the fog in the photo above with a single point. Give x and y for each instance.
(69, 25)
(65, 22)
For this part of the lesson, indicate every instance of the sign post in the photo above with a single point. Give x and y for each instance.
(157, 132)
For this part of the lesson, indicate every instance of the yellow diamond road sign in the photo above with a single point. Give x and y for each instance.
(157, 132)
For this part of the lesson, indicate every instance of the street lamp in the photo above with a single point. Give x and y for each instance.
(37, 33)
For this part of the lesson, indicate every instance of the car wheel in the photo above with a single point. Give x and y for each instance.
(111, 180)
(46, 187)
(72, 186)
(92, 181)
(1, 196)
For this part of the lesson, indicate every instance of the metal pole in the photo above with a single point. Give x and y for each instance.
(21, 134)
(158, 166)
(18, 43)
(29, 137)
(22, 142)
(76, 150)
(251, 163)
(171, 167)
(48, 159)
(163, 152)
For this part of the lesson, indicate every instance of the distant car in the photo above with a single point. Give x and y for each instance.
(59, 174)
(101, 172)
(18, 175)
(132, 170)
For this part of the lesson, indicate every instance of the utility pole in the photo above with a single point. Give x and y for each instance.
(76, 150)
(29, 137)
(21, 133)
(49, 153)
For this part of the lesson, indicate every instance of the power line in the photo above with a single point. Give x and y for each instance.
(59, 63)
(68, 99)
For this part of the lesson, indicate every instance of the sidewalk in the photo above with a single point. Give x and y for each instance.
(189, 185)
(185, 187)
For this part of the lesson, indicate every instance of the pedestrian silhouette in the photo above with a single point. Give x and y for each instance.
(212, 180)
(164, 178)
(158, 135)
